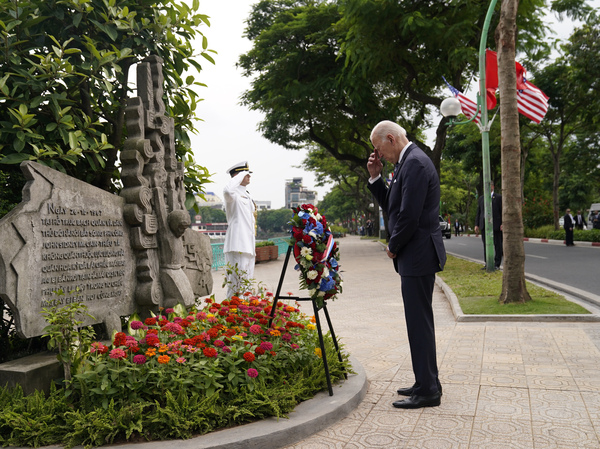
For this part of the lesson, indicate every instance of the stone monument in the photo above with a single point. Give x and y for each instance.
(115, 253)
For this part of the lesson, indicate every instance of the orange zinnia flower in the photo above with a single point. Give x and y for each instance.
(163, 359)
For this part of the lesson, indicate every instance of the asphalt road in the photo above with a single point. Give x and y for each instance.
(576, 266)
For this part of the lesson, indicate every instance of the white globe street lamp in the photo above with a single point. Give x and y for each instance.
(450, 107)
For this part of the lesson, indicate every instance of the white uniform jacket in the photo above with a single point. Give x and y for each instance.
(240, 209)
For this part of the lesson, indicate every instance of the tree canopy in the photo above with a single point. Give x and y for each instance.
(64, 80)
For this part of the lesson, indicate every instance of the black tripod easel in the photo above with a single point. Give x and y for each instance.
(316, 309)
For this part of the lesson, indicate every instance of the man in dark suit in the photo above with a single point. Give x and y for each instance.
(579, 221)
(568, 225)
(415, 245)
(497, 222)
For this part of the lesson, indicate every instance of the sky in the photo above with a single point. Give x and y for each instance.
(229, 132)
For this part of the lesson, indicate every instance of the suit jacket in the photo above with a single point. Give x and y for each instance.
(496, 212)
(412, 203)
(568, 222)
(580, 221)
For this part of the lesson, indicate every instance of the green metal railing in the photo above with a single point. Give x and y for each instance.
(218, 257)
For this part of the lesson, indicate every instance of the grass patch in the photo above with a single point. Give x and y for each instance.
(478, 292)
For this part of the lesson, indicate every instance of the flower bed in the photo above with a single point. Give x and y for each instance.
(179, 374)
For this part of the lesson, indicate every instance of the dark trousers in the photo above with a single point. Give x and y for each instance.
(497, 247)
(417, 295)
(569, 236)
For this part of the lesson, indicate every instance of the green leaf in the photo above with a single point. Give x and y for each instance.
(15, 158)
(18, 145)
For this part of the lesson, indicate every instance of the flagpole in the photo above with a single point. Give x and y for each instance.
(485, 145)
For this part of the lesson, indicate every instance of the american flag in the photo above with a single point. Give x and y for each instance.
(468, 107)
(532, 102)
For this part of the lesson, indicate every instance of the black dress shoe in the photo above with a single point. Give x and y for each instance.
(415, 401)
(406, 391)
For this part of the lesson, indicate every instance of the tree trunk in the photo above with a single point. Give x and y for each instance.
(514, 288)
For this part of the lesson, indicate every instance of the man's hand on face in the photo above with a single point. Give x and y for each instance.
(374, 165)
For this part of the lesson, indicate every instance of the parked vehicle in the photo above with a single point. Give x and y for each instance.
(594, 207)
(446, 228)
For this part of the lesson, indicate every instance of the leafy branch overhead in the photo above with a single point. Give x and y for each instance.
(67, 74)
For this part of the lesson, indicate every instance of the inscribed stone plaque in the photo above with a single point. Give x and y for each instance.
(68, 236)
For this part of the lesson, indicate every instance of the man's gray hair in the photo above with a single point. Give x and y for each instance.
(386, 127)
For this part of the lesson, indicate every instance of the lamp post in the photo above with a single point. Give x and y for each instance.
(450, 107)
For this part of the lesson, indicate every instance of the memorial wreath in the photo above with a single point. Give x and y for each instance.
(316, 254)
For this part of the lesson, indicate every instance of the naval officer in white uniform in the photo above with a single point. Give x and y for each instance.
(239, 247)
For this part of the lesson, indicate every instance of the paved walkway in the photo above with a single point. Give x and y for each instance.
(506, 385)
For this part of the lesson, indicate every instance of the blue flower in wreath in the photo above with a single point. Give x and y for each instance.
(319, 228)
(327, 284)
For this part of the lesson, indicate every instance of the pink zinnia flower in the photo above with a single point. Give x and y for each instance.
(98, 347)
(180, 360)
(174, 327)
(252, 372)
(139, 359)
(256, 329)
(117, 353)
(169, 310)
(226, 349)
(136, 325)
(266, 345)
(219, 343)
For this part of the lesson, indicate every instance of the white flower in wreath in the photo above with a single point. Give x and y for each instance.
(321, 293)
(325, 272)
(312, 274)
(312, 292)
(318, 217)
(306, 251)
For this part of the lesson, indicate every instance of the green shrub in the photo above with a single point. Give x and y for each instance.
(548, 232)
(264, 243)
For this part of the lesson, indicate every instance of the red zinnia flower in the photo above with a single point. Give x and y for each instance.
(150, 321)
(249, 357)
(259, 350)
(210, 352)
(120, 339)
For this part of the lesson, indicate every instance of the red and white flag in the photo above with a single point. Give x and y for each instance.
(532, 102)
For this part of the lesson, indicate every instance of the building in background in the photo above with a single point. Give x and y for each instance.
(296, 194)
(212, 200)
(263, 205)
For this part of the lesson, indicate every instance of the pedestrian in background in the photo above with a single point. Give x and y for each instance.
(568, 224)
(579, 221)
(497, 225)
